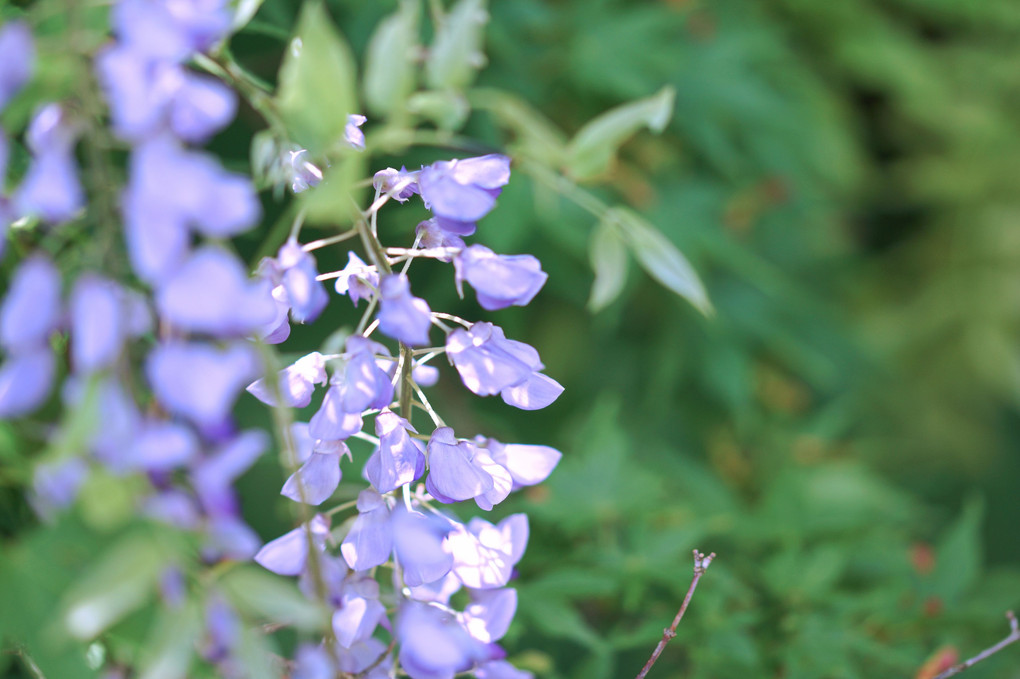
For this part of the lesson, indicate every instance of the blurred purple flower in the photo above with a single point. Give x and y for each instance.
(51, 188)
(17, 59)
(55, 485)
(433, 645)
(30, 310)
(97, 320)
(199, 381)
(26, 379)
(148, 96)
(170, 30)
(211, 293)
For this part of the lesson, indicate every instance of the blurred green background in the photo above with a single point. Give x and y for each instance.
(844, 431)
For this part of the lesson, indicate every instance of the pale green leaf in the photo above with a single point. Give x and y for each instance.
(390, 67)
(317, 77)
(169, 650)
(660, 258)
(592, 149)
(608, 255)
(456, 53)
(266, 596)
(118, 584)
(447, 109)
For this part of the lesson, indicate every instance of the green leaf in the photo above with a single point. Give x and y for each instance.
(456, 53)
(246, 9)
(390, 68)
(168, 652)
(317, 78)
(608, 255)
(447, 109)
(259, 594)
(592, 149)
(959, 555)
(118, 584)
(660, 258)
(537, 137)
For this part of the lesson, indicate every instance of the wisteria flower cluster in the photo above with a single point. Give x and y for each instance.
(400, 525)
(199, 323)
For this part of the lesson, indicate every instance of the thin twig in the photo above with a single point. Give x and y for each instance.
(1014, 635)
(701, 563)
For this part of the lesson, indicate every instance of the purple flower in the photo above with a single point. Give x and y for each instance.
(366, 385)
(303, 175)
(317, 478)
(312, 662)
(223, 630)
(214, 476)
(148, 96)
(359, 657)
(359, 612)
(162, 446)
(484, 555)
(31, 309)
(288, 554)
(431, 234)
(97, 319)
(198, 381)
(357, 279)
(170, 30)
(433, 644)
(25, 382)
(296, 383)
(463, 191)
(55, 485)
(499, 280)
(211, 293)
(399, 459)
(419, 546)
(51, 188)
(331, 422)
(487, 618)
(352, 132)
(401, 184)
(305, 295)
(401, 316)
(489, 363)
(370, 540)
(527, 464)
(17, 59)
(171, 190)
(453, 475)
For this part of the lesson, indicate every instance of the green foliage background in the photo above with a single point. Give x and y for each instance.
(845, 177)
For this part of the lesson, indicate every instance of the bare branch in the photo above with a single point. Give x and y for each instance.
(1014, 635)
(701, 563)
